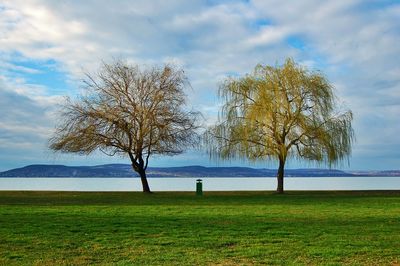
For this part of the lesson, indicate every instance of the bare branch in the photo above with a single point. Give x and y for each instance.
(129, 111)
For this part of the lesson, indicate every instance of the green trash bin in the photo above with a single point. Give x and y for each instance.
(199, 187)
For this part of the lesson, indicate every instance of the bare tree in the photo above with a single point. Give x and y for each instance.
(278, 113)
(130, 112)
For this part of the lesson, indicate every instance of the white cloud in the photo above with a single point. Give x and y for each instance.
(269, 35)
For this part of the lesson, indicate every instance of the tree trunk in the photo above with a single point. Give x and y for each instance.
(139, 167)
(280, 175)
(143, 178)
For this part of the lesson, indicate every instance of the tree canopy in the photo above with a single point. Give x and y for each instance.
(278, 113)
(130, 112)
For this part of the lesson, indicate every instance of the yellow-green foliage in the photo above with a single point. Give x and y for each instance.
(281, 112)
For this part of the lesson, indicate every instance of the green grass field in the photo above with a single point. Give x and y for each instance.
(232, 228)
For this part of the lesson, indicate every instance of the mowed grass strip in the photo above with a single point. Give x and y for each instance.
(220, 228)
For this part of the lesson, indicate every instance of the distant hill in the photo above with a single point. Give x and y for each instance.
(125, 170)
(39, 170)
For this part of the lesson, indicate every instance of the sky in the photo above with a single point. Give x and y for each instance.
(46, 46)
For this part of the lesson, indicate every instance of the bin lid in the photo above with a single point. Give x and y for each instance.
(199, 180)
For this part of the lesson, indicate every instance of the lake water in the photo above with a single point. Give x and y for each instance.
(209, 184)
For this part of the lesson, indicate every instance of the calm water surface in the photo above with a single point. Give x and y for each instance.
(209, 184)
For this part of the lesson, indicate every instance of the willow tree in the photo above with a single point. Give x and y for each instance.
(279, 113)
(131, 112)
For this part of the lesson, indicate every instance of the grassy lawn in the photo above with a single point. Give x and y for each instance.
(232, 228)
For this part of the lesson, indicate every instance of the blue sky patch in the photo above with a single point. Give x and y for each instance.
(296, 42)
(44, 73)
